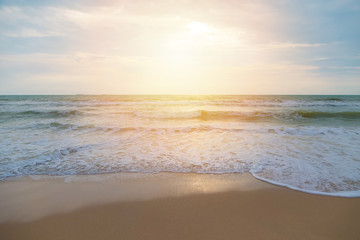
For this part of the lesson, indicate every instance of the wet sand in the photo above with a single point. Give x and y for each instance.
(171, 206)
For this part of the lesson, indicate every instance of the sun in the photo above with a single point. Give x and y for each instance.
(183, 48)
(199, 28)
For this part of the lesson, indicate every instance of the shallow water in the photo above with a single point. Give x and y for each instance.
(309, 143)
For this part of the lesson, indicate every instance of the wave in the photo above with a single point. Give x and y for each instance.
(205, 115)
(232, 115)
(347, 194)
(65, 126)
(55, 112)
(57, 126)
(201, 115)
(266, 104)
(101, 102)
(305, 131)
(315, 114)
(45, 114)
(332, 99)
(45, 163)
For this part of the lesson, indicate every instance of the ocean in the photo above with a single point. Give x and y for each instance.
(307, 143)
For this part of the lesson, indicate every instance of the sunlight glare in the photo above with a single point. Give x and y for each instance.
(197, 28)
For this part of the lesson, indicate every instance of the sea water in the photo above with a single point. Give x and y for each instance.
(308, 143)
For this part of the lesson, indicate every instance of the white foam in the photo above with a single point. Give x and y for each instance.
(348, 194)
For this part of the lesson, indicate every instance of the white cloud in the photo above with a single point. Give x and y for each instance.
(345, 67)
(29, 32)
(280, 45)
(321, 59)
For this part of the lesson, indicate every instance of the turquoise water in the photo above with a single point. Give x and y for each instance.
(309, 143)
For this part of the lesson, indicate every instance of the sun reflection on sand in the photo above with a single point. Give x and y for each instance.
(33, 197)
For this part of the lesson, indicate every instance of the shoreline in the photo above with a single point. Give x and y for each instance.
(169, 206)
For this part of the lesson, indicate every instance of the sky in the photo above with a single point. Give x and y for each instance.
(180, 47)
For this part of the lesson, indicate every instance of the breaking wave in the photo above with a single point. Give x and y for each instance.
(41, 114)
(206, 115)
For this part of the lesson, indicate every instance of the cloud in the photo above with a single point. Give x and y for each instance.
(23, 33)
(345, 67)
(275, 45)
(321, 59)
(131, 43)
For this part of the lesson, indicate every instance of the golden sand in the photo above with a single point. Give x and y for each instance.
(186, 206)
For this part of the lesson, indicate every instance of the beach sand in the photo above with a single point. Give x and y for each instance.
(170, 206)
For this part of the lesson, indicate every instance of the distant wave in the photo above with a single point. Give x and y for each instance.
(202, 115)
(331, 102)
(332, 99)
(45, 114)
(206, 115)
(347, 115)
(148, 101)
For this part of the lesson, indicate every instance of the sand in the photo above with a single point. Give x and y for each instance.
(171, 206)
